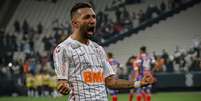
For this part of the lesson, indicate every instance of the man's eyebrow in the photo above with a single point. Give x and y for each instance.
(89, 15)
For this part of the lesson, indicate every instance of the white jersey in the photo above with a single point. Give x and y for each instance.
(85, 67)
(114, 64)
(145, 60)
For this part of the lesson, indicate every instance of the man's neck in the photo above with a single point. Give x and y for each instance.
(77, 36)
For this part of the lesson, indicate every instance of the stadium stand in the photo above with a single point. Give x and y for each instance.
(158, 36)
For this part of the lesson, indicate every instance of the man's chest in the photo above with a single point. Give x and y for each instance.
(86, 56)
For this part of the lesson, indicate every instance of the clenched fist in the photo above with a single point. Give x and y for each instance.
(63, 87)
(147, 79)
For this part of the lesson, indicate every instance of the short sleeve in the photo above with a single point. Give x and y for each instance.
(107, 68)
(61, 62)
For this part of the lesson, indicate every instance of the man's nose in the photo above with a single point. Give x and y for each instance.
(92, 21)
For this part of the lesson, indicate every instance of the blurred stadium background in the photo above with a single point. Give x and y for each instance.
(170, 29)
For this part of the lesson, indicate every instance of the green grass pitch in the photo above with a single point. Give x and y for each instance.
(173, 96)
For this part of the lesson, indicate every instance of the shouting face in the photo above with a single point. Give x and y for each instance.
(85, 22)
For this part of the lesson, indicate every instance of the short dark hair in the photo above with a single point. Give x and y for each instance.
(143, 48)
(110, 55)
(78, 6)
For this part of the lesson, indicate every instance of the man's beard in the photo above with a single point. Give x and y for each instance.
(87, 31)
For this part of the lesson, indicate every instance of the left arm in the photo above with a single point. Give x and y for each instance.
(113, 82)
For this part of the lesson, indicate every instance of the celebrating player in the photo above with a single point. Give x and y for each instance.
(81, 65)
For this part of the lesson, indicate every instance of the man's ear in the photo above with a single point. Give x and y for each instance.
(74, 23)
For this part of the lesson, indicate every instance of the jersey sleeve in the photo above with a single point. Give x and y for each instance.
(107, 68)
(61, 62)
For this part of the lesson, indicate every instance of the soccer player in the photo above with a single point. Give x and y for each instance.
(53, 85)
(142, 67)
(115, 66)
(30, 84)
(81, 65)
(132, 74)
(38, 84)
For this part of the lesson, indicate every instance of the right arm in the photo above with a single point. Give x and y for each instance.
(61, 64)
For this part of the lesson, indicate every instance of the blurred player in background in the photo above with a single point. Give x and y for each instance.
(30, 84)
(41, 85)
(132, 72)
(115, 66)
(38, 84)
(142, 64)
(81, 65)
(53, 85)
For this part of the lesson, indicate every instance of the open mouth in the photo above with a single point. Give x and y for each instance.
(91, 30)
